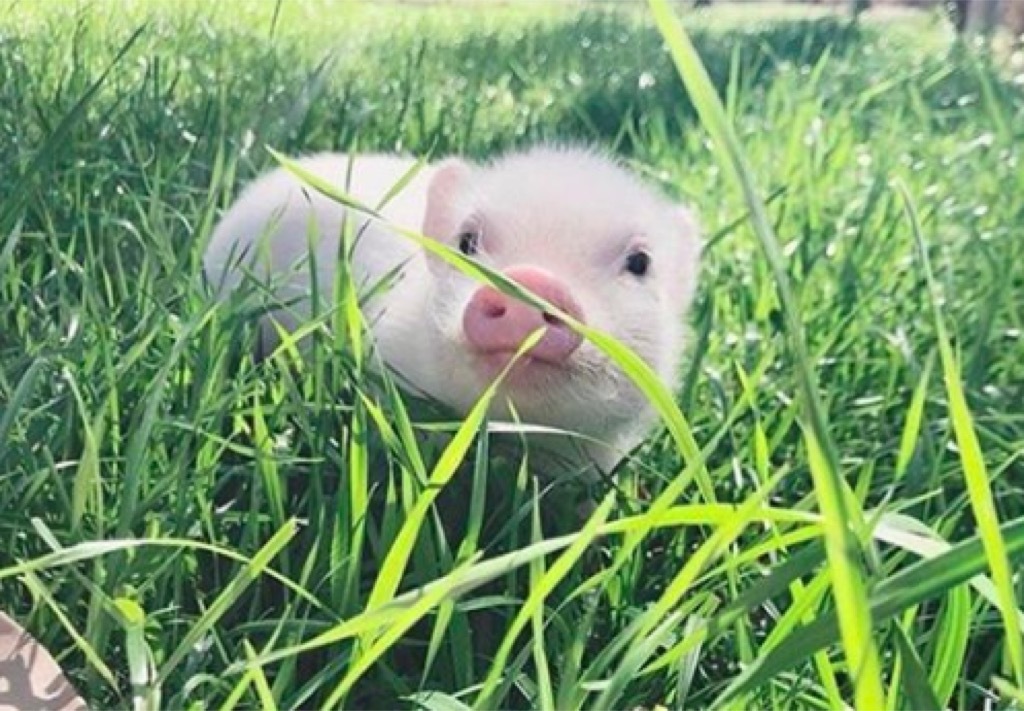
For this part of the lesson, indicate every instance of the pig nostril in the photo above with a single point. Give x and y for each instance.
(494, 310)
(552, 320)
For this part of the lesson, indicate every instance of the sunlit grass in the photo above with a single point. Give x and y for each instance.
(184, 526)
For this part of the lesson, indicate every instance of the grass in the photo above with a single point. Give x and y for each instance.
(184, 527)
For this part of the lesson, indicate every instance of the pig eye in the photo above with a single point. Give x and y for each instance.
(638, 263)
(469, 242)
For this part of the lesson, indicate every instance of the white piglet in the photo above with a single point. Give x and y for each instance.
(573, 227)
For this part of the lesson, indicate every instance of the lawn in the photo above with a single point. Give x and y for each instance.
(832, 512)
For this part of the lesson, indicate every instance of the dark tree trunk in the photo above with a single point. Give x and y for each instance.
(983, 15)
(957, 10)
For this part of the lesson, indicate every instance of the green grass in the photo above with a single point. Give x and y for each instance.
(839, 478)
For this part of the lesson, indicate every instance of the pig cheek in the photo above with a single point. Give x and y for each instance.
(438, 267)
(660, 336)
(664, 345)
(639, 322)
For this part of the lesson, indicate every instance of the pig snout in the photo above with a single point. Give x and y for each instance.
(496, 323)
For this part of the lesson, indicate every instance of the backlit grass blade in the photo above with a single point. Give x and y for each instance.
(916, 583)
(39, 590)
(265, 463)
(22, 392)
(975, 471)
(953, 634)
(786, 575)
(70, 555)
(394, 564)
(259, 681)
(1009, 691)
(912, 424)
(238, 690)
(848, 587)
(538, 594)
(141, 666)
(358, 475)
(915, 678)
(245, 577)
(402, 182)
(714, 547)
(398, 623)
(463, 580)
(545, 697)
(96, 549)
(837, 506)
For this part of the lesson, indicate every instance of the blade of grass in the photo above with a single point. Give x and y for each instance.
(915, 678)
(837, 504)
(141, 667)
(250, 572)
(397, 625)
(545, 697)
(538, 594)
(33, 583)
(57, 138)
(394, 564)
(974, 468)
(462, 580)
(259, 679)
(19, 398)
(921, 581)
(715, 546)
(912, 425)
(953, 630)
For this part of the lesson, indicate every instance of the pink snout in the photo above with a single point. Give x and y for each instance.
(498, 324)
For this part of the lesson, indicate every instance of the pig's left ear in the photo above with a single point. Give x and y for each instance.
(448, 182)
(688, 249)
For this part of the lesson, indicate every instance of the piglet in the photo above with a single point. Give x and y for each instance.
(568, 224)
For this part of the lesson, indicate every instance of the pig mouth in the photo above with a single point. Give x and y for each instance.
(528, 371)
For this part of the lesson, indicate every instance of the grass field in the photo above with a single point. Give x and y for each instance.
(834, 514)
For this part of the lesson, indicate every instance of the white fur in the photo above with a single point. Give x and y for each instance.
(574, 213)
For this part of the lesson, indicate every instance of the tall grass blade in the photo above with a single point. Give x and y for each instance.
(916, 583)
(538, 594)
(249, 573)
(915, 678)
(837, 504)
(974, 468)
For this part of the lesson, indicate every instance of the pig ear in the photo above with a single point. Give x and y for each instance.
(684, 276)
(448, 181)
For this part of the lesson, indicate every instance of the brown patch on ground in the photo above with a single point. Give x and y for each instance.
(30, 678)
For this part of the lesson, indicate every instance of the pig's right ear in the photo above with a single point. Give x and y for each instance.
(444, 197)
